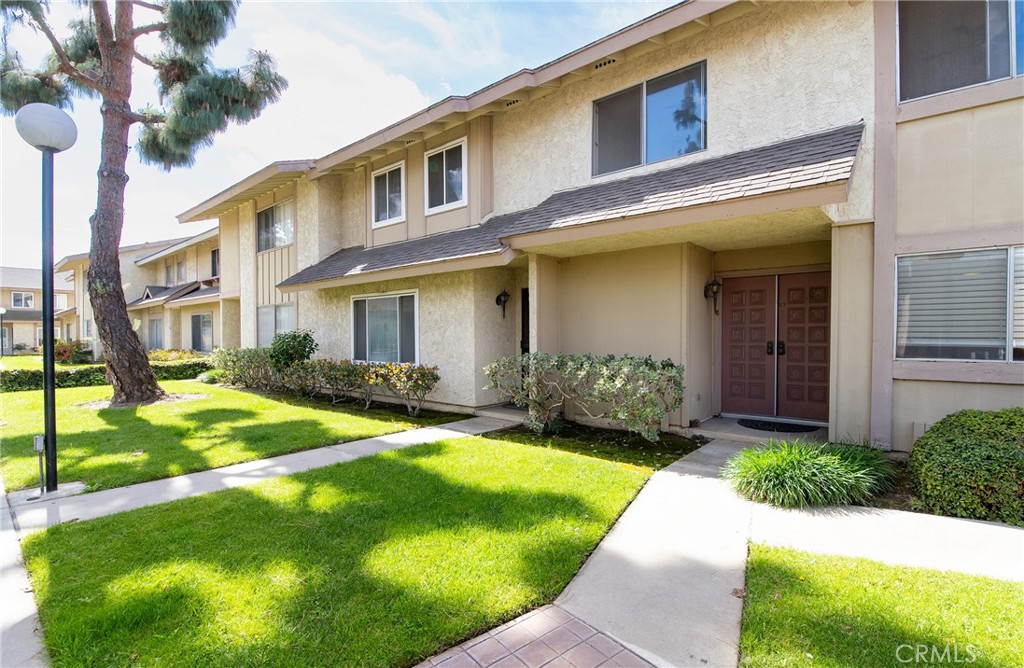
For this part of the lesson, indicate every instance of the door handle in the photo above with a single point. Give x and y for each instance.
(771, 347)
(782, 347)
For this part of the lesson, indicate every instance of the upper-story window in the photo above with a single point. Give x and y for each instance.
(169, 273)
(965, 305)
(215, 263)
(658, 119)
(388, 195)
(60, 301)
(947, 45)
(276, 226)
(22, 300)
(446, 177)
(180, 264)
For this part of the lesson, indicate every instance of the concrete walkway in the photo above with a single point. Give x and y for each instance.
(664, 587)
(20, 636)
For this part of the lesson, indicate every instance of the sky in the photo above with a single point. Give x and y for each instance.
(352, 67)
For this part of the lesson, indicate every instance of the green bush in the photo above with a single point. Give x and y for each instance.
(71, 352)
(212, 377)
(161, 355)
(800, 474)
(290, 348)
(19, 380)
(971, 464)
(634, 392)
(248, 367)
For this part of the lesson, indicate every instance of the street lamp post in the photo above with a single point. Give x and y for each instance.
(50, 130)
(3, 311)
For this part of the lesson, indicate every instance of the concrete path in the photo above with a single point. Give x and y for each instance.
(21, 639)
(35, 515)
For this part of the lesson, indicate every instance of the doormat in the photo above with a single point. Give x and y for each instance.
(763, 425)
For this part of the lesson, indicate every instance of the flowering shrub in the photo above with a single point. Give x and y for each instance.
(634, 392)
(71, 352)
(338, 379)
(161, 355)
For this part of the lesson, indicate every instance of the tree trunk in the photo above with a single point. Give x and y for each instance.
(128, 368)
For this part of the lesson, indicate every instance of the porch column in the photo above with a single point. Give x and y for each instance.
(543, 283)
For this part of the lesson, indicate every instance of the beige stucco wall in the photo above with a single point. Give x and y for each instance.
(851, 333)
(773, 258)
(786, 70)
(229, 254)
(184, 318)
(927, 402)
(961, 171)
(247, 274)
(460, 327)
(697, 324)
(230, 318)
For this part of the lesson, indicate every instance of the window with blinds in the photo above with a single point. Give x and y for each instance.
(966, 305)
(384, 329)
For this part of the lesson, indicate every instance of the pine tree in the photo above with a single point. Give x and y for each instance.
(198, 100)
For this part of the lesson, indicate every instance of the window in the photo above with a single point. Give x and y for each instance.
(384, 329)
(67, 332)
(446, 178)
(273, 319)
(966, 305)
(945, 45)
(168, 274)
(87, 328)
(22, 299)
(215, 263)
(275, 226)
(156, 334)
(181, 271)
(202, 332)
(659, 119)
(388, 202)
(60, 302)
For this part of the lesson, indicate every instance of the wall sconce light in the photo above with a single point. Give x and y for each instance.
(711, 291)
(501, 300)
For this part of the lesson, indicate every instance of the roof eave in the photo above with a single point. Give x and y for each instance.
(180, 246)
(274, 175)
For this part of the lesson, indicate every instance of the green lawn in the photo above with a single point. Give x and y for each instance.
(112, 447)
(382, 561)
(11, 362)
(810, 610)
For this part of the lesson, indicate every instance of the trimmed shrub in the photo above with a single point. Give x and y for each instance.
(248, 367)
(211, 377)
(633, 392)
(290, 348)
(411, 382)
(71, 352)
(971, 464)
(19, 380)
(801, 474)
(161, 355)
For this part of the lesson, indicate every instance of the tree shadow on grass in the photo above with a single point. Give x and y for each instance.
(381, 561)
(789, 615)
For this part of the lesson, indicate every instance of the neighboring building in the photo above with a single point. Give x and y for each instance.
(21, 295)
(172, 292)
(754, 190)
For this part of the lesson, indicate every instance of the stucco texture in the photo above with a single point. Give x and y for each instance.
(777, 73)
(928, 402)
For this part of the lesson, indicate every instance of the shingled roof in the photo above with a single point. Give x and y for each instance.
(812, 160)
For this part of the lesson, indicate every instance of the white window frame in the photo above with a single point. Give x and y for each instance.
(449, 206)
(1012, 30)
(374, 223)
(295, 224)
(31, 298)
(1009, 310)
(415, 294)
(643, 121)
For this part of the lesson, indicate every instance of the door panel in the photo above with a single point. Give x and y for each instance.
(748, 325)
(803, 346)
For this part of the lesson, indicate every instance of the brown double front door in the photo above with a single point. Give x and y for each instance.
(775, 342)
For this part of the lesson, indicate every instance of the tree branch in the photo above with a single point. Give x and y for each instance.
(123, 22)
(104, 29)
(148, 5)
(152, 27)
(148, 119)
(144, 60)
(64, 63)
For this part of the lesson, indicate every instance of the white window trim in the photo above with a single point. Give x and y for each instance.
(1009, 311)
(31, 296)
(295, 224)
(450, 206)
(643, 123)
(395, 293)
(1014, 74)
(374, 223)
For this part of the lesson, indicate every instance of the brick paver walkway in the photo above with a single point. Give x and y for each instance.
(547, 637)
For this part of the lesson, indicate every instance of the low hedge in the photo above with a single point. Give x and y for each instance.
(19, 380)
(971, 464)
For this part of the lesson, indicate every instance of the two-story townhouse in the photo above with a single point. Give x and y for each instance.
(171, 289)
(21, 297)
(783, 197)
